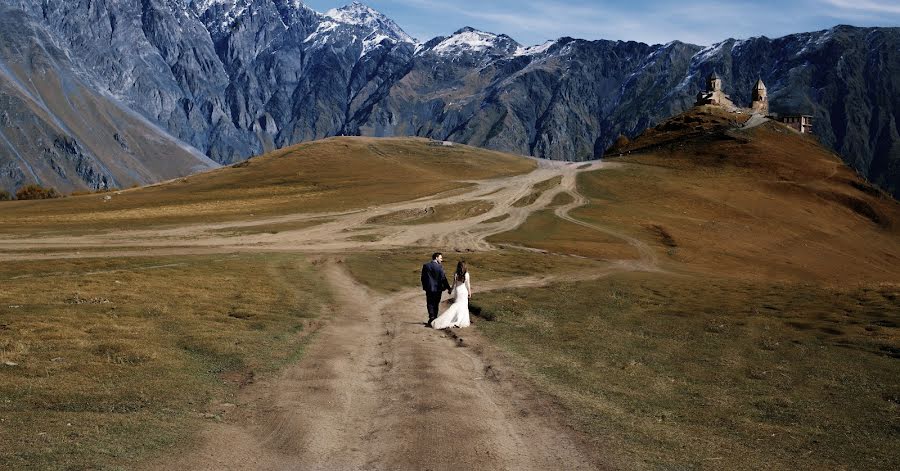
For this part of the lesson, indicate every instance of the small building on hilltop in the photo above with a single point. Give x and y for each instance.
(760, 104)
(714, 94)
(801, 123)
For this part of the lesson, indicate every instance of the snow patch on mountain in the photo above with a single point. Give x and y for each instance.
(468, 40)
(708, 53)
(815, 41)
(226, 11)
(358, 14)
(375, 40)
(476, 41)
(357, 22)
(200, 6)
(534, 50)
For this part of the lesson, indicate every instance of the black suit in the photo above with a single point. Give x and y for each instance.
(434, 282)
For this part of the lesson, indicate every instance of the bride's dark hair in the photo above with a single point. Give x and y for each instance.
(461, 270)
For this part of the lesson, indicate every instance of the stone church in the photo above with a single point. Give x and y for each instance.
(760, 102)
(714, 94)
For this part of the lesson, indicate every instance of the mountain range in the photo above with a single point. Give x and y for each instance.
(111, 93)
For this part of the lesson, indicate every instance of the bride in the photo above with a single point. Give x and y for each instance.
(457, 315)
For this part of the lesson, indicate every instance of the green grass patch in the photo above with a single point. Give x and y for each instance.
(366, 238)
(499, 218)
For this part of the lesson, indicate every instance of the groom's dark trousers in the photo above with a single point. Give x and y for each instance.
(434, 282)
(433, 302)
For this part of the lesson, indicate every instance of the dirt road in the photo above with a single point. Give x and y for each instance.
(334, 232)
(376, 389)
(379, 390)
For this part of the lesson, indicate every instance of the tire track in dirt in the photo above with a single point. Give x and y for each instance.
(335, 234)
(648, 259)
(379, 390)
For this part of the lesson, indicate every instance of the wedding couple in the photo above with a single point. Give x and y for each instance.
(434, 282)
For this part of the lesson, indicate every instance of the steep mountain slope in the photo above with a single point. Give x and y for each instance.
(557, 101)
(59, 130)
(236, 78)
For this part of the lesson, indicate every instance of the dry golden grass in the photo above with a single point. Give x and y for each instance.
(543, 230)
(674, 372)
(366, 238)
(776, 344)
(765, 202)
(272, 228)
(561, 199)
(331, 175)
(439, 213)
(391, 271)
(104, 361)
(538, 190)
(499, 218)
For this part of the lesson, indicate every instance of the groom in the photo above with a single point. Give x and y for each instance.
(434, 282)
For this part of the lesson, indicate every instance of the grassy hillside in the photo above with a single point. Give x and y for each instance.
(772, 341)
(763, 202)
(105, 360)
(336, 174)
(673, 372)
(767, 336)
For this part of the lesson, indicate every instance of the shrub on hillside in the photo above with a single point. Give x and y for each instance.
(36, 192)
(619, 146)
(5, 196)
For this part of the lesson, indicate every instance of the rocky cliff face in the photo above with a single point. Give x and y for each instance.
(235, 78)
(61, 126)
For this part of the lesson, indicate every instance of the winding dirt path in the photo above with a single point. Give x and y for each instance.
(379, 390)
(336, 232)
(376, 389)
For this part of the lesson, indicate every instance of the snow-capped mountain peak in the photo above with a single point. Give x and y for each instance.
(469, 39)
(359, 14)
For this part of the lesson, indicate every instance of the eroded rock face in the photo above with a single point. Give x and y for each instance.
(66, 105)
(236, 78)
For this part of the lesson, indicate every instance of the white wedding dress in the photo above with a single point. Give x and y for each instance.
(457, 315)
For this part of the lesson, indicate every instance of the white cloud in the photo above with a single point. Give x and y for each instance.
(869, 6)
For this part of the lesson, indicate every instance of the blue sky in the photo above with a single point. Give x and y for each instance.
(651, 21)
